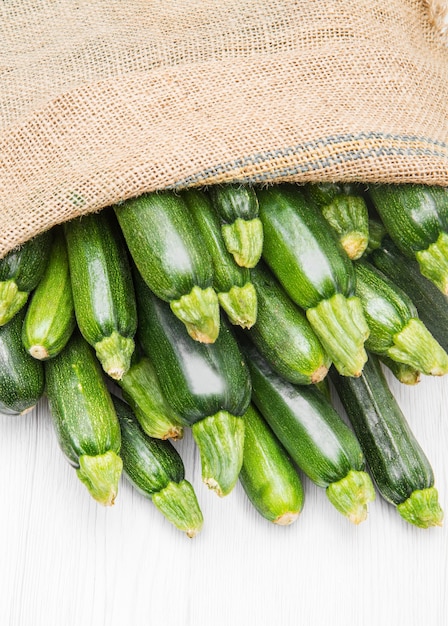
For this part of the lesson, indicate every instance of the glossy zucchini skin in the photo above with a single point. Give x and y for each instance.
(396, 460)
(102, 288)
(197, 379)
(234, 201)
(414, 215)
(305, 422)
(83, 414)
(282, 333)
(50, 317)
(268, 476)
(314, 435)
(430, 302)
(20, 272)
(165, 245)
(301, 248)
(22, 378)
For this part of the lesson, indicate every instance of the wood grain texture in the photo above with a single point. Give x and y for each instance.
(65, 560)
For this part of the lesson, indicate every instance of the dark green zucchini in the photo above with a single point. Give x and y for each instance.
(431, 304)
(377, 232)
(173, 259)
(282, 333)
(236, 293)
(156, 470)
(141, 389)
(395, 328)
(84, 418)
(416, 218)
(207, 385)
(50, 317)
(102, 289)
(314, 435)
(20, 273)
(237, 207)
(400, 468)
(21, 376)
(303, 252)
(267, 475)
(346, 211)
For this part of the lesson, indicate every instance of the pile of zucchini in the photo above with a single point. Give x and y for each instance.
(236, 311)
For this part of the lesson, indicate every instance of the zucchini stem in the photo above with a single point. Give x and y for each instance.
(101, 474)
(244, 240)
(433, 262)
(114, 353)
(199, 311)
(415, 346)
(179, 504)
(342, 329)
(351, 494)
(422, 508)
(220, 439)
(11, 300)
(240, 304)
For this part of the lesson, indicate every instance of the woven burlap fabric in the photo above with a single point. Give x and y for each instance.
(101, 101)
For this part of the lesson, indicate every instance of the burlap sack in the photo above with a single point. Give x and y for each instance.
(105, 99)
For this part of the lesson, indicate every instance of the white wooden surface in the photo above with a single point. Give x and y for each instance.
(65, 560)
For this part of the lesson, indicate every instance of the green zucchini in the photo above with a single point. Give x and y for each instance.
(267, 475)
(403, 372)
(431, 304)
(20, 273)
(303, 252)
(416, 218)
(141, 389)
(237, 207)
(207, 385)
(236, 293)
(395, 328)
(21, 376)
(156, 470)
(173, 259)
(377, 232)
(282, 333)
(314, 435)
(102, 289)
(84, 418)
(346, 212)
(400, 468)
(50, 317)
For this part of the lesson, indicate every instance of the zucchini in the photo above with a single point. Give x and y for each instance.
(207, 385)
(102, 288)
(403, 372)
(242, 231)
(236, 293)
(377, 232)
(21, 377)
(431, 304)
(324, 193)
(141, 389)
(156, 470)
(20, 273)
(347, 214)
(84, 418)
(282, 333)
(416, 218)
(267, 475)
(50, 317)
(400, 468)
(314, 435)
(308, 260)
(395, 328)
(173, 259)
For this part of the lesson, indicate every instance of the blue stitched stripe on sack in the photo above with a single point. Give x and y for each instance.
(408, 148)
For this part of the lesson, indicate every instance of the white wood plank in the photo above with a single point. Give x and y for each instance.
(66, 560)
